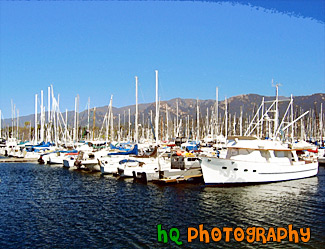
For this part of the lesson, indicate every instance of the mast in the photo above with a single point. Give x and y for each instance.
(197, 120)
(75, 120)
(42, 119)
(119, 125)
(207, 124)
(167, 138)
(217, 111)
(88, 117)
(77, 130)
(136, 110)
(94, 123)
(66, 125)
(262, 117)
(13, 128)
(0, 123)
(49, 113)
(276, 118)
(129, 136)
(108, 118)
(17, 124)
(241, 121)
(320, 124)
(12, 118)
(177, 123)
(157, 110)
(124, 126)
(292, 127)
(35, 136)
(112, 119)
(226, 118)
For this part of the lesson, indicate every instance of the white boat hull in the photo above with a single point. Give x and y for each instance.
(109, 166)
(226, 171)
(91, 164)
(69, 163)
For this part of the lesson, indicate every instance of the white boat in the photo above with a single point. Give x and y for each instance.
(251, 160)
(69, 161)
(109, 164)
(181, 166)
(148, 166)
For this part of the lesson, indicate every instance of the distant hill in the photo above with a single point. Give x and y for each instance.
(187, 108)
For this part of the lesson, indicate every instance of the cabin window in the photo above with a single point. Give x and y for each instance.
(235, 169)
(280, 153)
(254, 170)
(245, 170)
(224, 167)
(245, 151)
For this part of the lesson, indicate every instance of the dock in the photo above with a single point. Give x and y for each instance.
(185, 179)
(18, 160)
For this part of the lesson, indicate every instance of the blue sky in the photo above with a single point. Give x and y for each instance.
(95, 49)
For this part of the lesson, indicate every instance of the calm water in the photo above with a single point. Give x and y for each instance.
(51, 207)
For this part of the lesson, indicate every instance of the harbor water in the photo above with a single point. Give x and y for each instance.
(45, 206)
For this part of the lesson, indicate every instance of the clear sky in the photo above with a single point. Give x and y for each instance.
(95, 49)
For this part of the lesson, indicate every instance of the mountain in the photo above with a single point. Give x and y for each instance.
(187, 108)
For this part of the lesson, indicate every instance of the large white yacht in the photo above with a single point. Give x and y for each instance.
(251, 160)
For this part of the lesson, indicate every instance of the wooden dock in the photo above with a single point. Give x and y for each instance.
(18, 160)
(185, 179)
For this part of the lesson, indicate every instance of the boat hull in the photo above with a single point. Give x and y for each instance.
(218, 171)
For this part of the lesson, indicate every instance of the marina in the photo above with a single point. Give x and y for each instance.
(162, 124)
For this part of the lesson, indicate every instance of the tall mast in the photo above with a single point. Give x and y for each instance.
(292, 126)
(88, 117)
(94, 123)
(108, 118)
(197, 120)
(124, 126)
(157, 110)
(0, 123)
(112, 119)
(119, 129)
(226, 118)
(129, 134)
(217, 111)
(136, 110)
(320, 124)
(49, 104)
(177, 123)
(13, 128)
(276, 118)
(49, 113)
(66, 125)
(42, 119)
(75, 120)
(207, 124)
(17, 124)
(262, 121)
(77, 131)
(12, 118)
(167, 138)
(35, 136)
(241, 121)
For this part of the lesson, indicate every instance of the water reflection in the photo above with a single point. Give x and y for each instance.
(45, 206)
